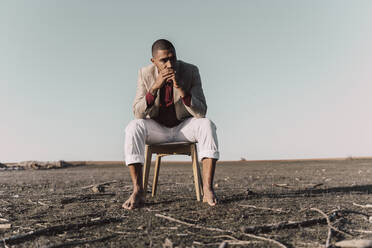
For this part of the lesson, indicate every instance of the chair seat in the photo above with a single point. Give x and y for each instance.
(174, 148)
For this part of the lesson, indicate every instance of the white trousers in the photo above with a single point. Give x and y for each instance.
(147, 131)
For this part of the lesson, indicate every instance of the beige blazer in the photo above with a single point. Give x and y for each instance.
(189, 81)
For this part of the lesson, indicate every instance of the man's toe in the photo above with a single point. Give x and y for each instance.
(128, 205)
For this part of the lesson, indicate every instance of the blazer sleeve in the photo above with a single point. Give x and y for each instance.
(198, 106)
(140, 108)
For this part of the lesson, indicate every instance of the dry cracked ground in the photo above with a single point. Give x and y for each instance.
(262, 204)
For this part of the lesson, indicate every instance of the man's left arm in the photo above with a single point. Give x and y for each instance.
(194, 101)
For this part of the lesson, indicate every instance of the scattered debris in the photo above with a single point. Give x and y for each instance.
(99, 188)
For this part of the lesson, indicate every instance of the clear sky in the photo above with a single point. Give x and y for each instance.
(283, 79)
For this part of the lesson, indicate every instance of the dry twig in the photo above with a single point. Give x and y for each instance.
(363, 206)
(5, 226)
(263, 208)
(313, 186)
(329, 235)
(120, 232)
(282, 185)
(362, 231)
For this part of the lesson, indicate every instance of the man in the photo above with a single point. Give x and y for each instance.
(170, 107)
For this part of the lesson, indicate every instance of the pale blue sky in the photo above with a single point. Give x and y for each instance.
(283, 79)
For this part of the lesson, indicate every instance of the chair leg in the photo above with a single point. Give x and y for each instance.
(146, 167)
(196, 170)
(156, 174)
(199, 173)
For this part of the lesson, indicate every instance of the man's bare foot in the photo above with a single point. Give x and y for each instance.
(210, 197)
(135, 200)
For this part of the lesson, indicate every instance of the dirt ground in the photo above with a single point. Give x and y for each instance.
(50, 208)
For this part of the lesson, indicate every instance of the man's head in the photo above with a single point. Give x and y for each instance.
(163, 54)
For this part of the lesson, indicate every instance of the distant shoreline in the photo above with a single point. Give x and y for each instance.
(88, 162)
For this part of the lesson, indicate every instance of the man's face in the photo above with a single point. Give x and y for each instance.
(164, 59)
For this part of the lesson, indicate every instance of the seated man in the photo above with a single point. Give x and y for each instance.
(170, 107)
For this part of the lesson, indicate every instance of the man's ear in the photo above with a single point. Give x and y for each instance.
(152, 60)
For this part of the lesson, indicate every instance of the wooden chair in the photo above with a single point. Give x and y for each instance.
(165, 149)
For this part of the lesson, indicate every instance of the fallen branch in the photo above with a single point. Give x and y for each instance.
(263, 208)
(219, 230)
(225, 243)
(19, 238)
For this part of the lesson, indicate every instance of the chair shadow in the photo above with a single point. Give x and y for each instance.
(364, 189)
(154, 203)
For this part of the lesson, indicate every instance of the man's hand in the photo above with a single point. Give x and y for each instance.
(165, 75)
(175, 85)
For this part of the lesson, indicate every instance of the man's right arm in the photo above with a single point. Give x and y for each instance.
(141, 108)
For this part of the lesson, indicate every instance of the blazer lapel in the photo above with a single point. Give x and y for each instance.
(176, 95)
(157, 99)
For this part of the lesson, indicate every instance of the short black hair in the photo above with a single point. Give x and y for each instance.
(162, 44)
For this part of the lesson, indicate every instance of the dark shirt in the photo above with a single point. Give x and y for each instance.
(167, 113)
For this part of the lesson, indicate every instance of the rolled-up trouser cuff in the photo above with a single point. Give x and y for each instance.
(209, 154)
(134, 159)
